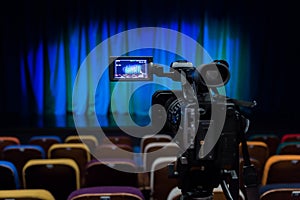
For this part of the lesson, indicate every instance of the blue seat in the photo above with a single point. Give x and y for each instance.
(280, 191)
(19, 155)
(9, 176)
(288, 148)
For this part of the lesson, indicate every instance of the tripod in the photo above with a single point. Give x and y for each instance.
(198, 177)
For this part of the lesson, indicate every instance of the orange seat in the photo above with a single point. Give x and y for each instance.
(7, 140)
(282, 169)
(257, 150)
(271, 140)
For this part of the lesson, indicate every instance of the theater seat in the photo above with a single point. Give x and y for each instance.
(9, 176)
(280, 192)
(290, 137)
(7, 140)
(78, 152)
(112, 172)
(107, 193)
(19, 155)
(45, 141)
(282, 169)
(289, 148)
(58, 176)
(160, 184)
(153, 138)
(90, 140)
(26, 194)
(271, 140)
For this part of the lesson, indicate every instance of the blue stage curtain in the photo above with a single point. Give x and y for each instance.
(51, 48)
(48, 71)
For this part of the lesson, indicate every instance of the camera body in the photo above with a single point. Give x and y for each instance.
(199, 171)
(207, 126)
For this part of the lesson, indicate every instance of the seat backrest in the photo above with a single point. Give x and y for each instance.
(153, 138)
(59, 176)
(104, 151)
(282, 169)
(26, 194)
(113, 172)
(218, 194)
(20, 154)
(7, 140)
(155, 150)
(45, 141)
(78, 152)
(290, 137)
(271, 140)
(107, 192)
(288, 148)
(121, 139)
(90, 140)
(9, 176)
(280, 192)
(257, 150)
(160, 184)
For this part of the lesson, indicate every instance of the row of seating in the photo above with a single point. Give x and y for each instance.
(283, 162)
(277, 161)
(92, 193)
(274, 142)
(92, 171)
(144, 179)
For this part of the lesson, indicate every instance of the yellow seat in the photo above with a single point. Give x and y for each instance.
(58, 176)
(78, 152)
(90, 140)
(26, 194)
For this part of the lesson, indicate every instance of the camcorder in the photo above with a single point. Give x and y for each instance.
(207, 125)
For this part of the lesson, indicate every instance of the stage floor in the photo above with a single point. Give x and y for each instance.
(63, 125)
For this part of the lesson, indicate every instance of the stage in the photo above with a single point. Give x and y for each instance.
(63, 125)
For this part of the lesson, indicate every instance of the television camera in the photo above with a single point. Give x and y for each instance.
(209, 126)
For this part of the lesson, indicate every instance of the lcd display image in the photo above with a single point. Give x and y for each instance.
(130, 68)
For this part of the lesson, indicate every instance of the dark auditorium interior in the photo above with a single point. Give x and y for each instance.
(122, 99)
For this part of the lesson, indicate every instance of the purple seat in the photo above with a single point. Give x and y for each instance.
(111, 192)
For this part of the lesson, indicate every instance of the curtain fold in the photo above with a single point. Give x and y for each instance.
(53, 47)
(50, 70)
